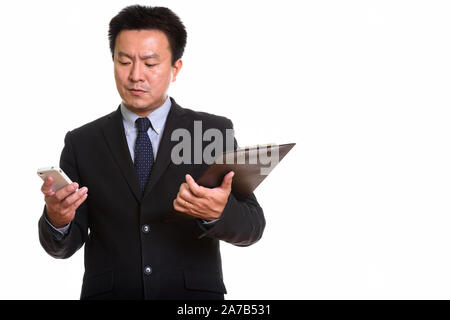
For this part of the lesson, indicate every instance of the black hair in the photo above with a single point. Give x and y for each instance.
(138, 17)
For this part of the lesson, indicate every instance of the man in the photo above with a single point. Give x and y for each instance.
(149, 230)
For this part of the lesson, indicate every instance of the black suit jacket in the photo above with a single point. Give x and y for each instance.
(136, 245)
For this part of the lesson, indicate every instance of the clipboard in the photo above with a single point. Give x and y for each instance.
(249, 171)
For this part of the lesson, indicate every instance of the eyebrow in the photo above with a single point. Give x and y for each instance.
(149, 56)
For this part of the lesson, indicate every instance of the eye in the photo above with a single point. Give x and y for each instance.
(150, 65)
(123, 63)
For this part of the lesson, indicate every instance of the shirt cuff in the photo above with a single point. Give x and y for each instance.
(59, 232)
(209, 222)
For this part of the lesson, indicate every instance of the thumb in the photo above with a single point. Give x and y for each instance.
(227, 180)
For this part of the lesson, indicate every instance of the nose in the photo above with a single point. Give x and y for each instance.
(136, 74)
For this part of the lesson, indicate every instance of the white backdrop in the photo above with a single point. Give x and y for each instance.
(359, 209)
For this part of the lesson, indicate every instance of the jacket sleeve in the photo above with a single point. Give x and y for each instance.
(242, 222)
(77, 234)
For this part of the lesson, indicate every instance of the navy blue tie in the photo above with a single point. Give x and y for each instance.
(143, 152)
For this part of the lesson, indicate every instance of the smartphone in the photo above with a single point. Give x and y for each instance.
(59, 177)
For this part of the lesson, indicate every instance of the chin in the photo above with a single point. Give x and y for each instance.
(137, 103)
(136, 106)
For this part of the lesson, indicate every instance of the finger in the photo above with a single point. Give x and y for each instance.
(178, 207)
(78, 203)
(185, 192)
(191, 209)
(48, 193)
(186, 195)
(74, 197)
(47, 186)
(184, 186)
(181, 202)
(190, 212)
(227, 181)
(196, 213)
(184, 206)
(62, 193)
(194, 187)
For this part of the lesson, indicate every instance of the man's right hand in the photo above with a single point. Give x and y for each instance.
(62, 204)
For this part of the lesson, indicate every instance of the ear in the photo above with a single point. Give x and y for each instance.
(176, 68)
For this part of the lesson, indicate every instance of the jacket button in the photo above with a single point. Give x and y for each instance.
(145, 228)
(147, 270)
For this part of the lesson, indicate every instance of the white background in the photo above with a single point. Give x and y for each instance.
(358, 210)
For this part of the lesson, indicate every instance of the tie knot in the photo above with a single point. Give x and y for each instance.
(143, 124)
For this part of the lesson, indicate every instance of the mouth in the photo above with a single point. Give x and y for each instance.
(137, 92)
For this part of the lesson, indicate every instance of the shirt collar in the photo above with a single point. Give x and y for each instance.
(157, 117)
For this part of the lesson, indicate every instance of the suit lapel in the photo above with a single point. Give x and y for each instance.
(174, 121)
(115, 138)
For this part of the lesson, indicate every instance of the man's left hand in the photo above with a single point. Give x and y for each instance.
(203, 203)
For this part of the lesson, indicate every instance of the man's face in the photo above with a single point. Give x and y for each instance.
(143, 69)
